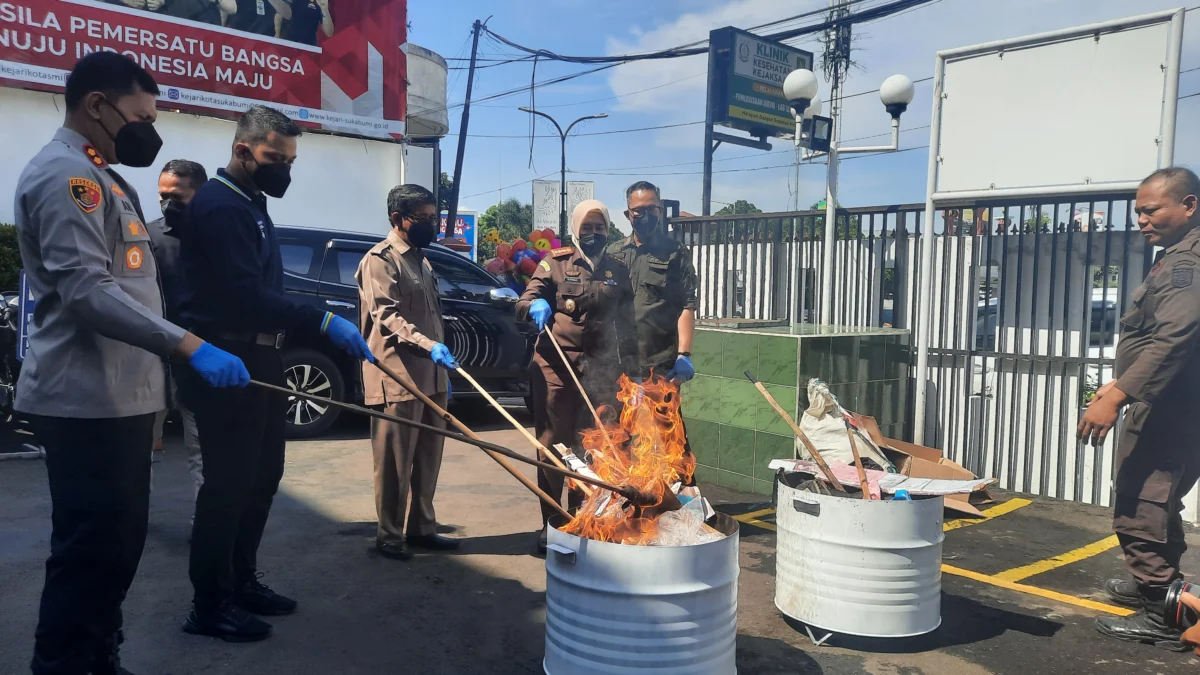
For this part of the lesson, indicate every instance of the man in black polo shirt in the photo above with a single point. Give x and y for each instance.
(258, 16)
(233, 295)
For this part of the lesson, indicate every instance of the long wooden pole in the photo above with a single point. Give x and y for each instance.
(812, 450)
(553, 457)
(453, 421)
(862, 473)
(575, 378)
(462, 438)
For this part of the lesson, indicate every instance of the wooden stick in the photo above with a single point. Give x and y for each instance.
(862, 473)
(554, 458)
(570, 369)
(453, 421)
(462, 438)
(799, 433)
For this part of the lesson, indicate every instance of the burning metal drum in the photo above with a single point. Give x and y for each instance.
(867, 568)
(614, 609)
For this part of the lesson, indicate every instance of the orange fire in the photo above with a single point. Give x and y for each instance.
(647, 452)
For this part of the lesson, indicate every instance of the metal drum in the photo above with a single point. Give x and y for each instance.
(855, 567)
(613, 609)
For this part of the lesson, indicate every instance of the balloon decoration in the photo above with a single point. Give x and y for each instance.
(516, 261)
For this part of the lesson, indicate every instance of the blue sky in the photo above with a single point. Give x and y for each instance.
(672, 157)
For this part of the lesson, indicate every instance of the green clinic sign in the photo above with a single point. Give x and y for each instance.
(746, 87)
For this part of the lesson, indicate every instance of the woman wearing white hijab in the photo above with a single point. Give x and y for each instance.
(585, 297)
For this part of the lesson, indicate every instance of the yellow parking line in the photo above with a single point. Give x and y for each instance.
(1081, 553)
(1034, 590)
(752, 518)
(988, 514)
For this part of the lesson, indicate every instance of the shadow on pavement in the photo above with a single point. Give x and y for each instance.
(964, 622)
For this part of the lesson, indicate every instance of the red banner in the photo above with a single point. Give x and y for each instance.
(200, 65)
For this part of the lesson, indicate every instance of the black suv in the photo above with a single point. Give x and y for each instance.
(482, 329)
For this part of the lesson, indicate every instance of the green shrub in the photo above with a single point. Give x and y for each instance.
(10, 258)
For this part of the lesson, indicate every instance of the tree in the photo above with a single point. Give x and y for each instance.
(444, 189)
(737, 208)
(815, 227)
(511, 218)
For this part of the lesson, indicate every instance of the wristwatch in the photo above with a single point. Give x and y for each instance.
(687, 354)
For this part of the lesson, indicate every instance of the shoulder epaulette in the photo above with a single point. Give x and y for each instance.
(563, 251)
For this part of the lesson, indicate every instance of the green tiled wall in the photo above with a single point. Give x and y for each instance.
(731, 427)
(735, 432)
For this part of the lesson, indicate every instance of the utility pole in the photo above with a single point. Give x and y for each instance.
(836, 62)
(562, 207)
(452, 205)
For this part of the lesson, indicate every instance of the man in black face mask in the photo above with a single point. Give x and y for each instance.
(177, 184)
(233, 294)
(401, 316)
(94, 377)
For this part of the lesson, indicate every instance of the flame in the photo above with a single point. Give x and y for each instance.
(644, 450)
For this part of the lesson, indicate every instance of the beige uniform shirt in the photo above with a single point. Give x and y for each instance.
(98, 338)
(400, 314)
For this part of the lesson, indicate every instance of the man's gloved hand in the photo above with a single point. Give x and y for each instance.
(540, 312)
(346, 337)
(441, 355)
(219, 368)
(683, 370)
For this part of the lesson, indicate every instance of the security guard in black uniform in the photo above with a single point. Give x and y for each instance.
(94, 377)
(233, 295)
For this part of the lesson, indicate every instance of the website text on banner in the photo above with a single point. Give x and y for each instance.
(353, 82)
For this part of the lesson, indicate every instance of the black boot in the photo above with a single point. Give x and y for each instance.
(1146, 626)
(108, 660)
(229, 622)
(1123, 592)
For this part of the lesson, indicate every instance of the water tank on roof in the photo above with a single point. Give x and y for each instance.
(427, 115)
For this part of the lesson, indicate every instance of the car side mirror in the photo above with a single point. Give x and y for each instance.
(503, 296)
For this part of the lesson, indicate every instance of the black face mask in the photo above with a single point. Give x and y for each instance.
(172, 213)
(136, 144)
(645, 224)
(272, 179)
(420, 233)
(592, 243)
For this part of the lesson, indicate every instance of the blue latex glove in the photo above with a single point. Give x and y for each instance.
(219, 368)
(683, 370)
(346, 337)
(441, 355)
(540, 312)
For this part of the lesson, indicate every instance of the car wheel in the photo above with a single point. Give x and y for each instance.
(313, 373)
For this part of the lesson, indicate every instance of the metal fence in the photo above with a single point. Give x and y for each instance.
(1025, 306)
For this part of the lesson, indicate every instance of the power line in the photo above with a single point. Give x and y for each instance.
(609, 98)
(591, 133)
(477, 194)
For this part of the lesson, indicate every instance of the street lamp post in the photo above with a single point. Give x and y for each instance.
(800, 88)
(562, 215)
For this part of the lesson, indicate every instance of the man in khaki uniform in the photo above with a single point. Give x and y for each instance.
(1158, 379)
(586, 298)
(401, 320)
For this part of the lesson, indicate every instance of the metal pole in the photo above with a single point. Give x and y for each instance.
(706, 194)
(927, 275)
(1174, 47)
(452, 205)
(831, 177)
(796, 311)
(562, 213)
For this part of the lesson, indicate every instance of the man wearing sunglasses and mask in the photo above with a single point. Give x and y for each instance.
(233, 295)
(664, 286)
(94, 377)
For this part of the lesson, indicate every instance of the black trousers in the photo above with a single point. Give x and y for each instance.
(99, 472)
(242, 443)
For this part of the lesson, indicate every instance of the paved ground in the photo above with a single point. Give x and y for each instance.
(481, 611)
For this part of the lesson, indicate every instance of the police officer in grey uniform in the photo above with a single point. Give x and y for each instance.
(94, 376)
(1158, 383)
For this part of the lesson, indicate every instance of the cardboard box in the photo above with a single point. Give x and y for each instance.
(919, 461)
